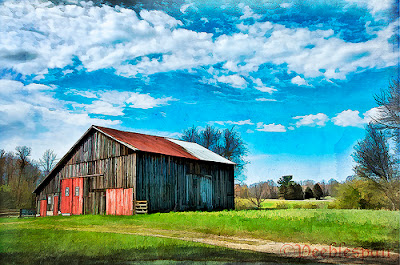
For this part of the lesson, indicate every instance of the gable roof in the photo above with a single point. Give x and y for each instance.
(148, 143)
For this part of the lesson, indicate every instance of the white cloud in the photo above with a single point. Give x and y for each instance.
(112, 102)
(233, 80)
(319, 119)
(298, 80)
(348, 118)
(261, 87)
(270, 127)
(286, 5)
(185, 7)
(145, 101)
(240, 123)
(266, 99)
(248, 13)
(105, 108)
(114, 37)
(353, 118)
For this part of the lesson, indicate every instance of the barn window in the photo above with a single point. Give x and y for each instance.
(66, 191)
(76, 191)
(49, 199)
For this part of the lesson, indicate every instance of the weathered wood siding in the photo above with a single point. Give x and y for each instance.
(163, 182)
(98, 154)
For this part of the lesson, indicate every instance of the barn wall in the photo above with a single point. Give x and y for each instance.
(98, 154)
(163, 182)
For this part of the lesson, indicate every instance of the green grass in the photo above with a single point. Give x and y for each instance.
(365, 228)
(292, 204)
(24, 244)
(45, 239)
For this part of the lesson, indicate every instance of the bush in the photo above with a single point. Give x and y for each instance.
(281, 205)
(297, 206)
(243, 204)
(358, 194)
(310, 205)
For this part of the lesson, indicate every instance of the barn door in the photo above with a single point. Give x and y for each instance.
(206, 192)
(72, 196)
(199, 192)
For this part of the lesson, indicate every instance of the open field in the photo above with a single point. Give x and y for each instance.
(89, 238)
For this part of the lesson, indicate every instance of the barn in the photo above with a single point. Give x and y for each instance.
(115, 172)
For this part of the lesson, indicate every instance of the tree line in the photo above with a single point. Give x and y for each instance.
(19, 176)
(285, 188)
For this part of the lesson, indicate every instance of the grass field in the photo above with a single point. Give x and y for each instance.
(45, 239)
(49, 246)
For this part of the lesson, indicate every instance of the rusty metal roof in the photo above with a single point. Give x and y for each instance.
(162, 145)
(147, 143)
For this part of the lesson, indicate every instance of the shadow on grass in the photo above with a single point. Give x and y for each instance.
(165, 255)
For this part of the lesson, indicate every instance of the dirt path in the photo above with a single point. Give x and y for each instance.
(320, 253)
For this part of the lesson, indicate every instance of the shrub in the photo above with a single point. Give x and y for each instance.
(310, 205)
(358, 194)
(281, 205)
(297, 206)
(243, 204)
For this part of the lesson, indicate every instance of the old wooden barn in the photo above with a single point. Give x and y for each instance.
(114, 172)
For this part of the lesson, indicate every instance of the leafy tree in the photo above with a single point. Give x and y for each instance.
(293, 191)
(285, 180)
(317, 190)
(308, 194)
(226, 143)
(375, 163)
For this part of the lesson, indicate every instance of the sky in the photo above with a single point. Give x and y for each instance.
(297, 79)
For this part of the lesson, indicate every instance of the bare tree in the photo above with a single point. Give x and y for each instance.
(47, 161)
(257, 194)
(375, 163)
(2, 166)
(210, 137)
(191, 135)
(23, 153)
(229, 145)
(389, 103)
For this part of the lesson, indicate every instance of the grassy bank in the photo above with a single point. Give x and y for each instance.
(362, 228)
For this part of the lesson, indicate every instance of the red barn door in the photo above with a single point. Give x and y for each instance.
(66, 195)
(119, 201)
(77, 201)
(72, 196)
(43, 208)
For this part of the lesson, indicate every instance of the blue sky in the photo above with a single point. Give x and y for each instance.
(295, 78)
